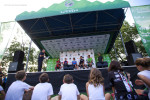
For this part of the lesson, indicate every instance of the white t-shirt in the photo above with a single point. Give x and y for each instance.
(68, 91)
(16, 90)
(42, 91)
(146, 73)
(1, 88)
(96, 93)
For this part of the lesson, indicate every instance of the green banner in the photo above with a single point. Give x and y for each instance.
(141, 17)
(51, 63)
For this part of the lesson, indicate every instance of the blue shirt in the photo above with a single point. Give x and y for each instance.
(74, 62)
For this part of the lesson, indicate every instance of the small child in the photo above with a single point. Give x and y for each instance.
(43, 90)
(68, 91)
(143, 65)
(17, 88)
(95, 86)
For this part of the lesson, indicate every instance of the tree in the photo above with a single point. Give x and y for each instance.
(15, 45)
(128, 33)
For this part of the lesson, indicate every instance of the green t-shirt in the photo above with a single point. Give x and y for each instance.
(89, 60)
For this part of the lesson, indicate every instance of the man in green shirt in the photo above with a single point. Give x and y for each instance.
(89, 61)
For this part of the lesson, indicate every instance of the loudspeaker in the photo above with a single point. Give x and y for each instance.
(18, 56)
(132, 58)
(131, 47)
(15, 66)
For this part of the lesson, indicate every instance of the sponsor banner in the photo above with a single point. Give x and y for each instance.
(51, 63)
(141, 17)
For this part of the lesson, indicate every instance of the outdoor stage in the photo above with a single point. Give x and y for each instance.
(80, 78)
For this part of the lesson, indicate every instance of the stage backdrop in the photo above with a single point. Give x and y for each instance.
(76, 54)
(51, 63)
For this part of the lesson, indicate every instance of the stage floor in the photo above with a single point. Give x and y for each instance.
(80, 77)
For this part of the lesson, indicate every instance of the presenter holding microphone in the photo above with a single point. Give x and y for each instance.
(40, 60)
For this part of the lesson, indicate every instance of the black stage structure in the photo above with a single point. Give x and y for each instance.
(80, 78)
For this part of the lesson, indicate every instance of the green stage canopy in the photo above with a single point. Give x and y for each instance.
(75, 25)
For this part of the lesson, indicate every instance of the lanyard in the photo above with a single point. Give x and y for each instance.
(126, 81)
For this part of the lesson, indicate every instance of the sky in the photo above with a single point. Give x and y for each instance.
(9, 9)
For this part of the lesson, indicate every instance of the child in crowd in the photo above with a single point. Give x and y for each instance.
(95, 86)
(143, 65)
(43, 90)
(17, 88)
(68, 91)
(2, 93)
(121, 86)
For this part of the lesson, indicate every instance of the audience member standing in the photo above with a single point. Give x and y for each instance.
(121, 86)
(68, 91)
(40, 60)
(17, 88)
(143, 65)
(43, 90)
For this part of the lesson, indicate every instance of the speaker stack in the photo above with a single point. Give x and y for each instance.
(132, 52)
(17, 63)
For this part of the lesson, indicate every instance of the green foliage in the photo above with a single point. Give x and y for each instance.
(128, 33)
(15, 45)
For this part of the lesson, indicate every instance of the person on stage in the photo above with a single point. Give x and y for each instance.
(65, 62)
(74, 62)
(40, 60)
(100, 58)
(89, 61)
(58, 64)
(81, 63)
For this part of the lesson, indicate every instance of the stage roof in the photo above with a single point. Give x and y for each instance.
(73, 31)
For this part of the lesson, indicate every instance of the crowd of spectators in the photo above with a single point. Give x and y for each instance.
(122, 87)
